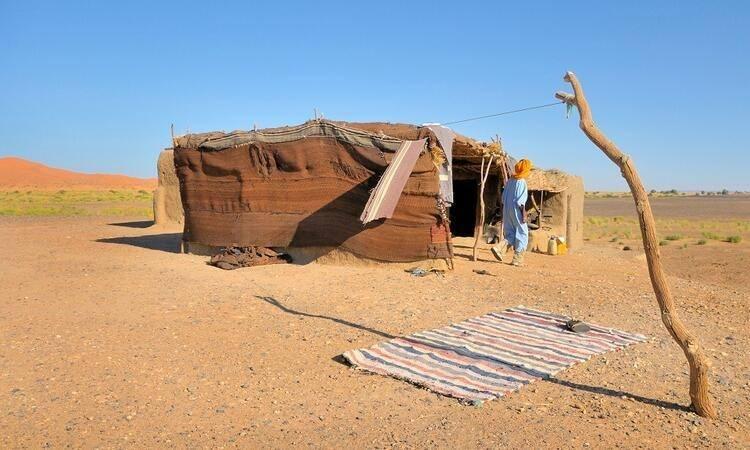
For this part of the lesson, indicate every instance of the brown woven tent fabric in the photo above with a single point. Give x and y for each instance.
(306, 186)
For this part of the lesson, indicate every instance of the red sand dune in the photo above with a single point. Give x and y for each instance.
(20, 173)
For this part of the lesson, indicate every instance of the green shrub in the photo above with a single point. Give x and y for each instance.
(701, 242)
(663, 243)
(711, 235)
(673, 237)
(734, 239)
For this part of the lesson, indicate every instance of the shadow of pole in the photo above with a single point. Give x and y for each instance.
(619, 394)
(276, 303)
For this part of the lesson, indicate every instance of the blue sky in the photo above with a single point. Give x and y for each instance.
(94, 86)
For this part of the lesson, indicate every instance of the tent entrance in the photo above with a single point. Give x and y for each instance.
(463, 213)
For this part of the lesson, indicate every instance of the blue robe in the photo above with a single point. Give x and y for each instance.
(515, 231)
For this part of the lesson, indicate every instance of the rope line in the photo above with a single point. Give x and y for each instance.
(503, 113)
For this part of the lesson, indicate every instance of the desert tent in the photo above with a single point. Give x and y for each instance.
(306, 187)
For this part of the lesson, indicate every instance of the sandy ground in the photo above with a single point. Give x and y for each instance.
(110, 338)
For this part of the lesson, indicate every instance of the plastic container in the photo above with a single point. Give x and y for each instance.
(552, 246)
(562, 247)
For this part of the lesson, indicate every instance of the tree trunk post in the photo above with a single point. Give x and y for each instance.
(701, 401)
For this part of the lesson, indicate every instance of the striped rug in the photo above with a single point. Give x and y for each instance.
(489, 356)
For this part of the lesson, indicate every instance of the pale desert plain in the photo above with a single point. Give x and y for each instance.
(112, 338)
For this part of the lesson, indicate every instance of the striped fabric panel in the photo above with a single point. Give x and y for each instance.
(385, 196)
(487, 357)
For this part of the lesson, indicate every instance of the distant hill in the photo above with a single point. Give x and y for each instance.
(20, 173)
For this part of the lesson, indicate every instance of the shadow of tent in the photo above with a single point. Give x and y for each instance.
(333, 224)
(165, 242)
(136, 224)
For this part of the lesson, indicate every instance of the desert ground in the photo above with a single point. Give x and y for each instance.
(111, 338)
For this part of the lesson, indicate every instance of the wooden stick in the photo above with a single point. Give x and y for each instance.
(480, 225)
(537, 206)
(699, 365)
(541, 205)
(533, 202)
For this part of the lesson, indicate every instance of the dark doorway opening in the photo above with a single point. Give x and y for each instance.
(464, 210)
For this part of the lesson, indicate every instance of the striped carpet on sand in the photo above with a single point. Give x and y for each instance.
(489, 356)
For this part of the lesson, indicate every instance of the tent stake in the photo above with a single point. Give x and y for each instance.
(700, 398)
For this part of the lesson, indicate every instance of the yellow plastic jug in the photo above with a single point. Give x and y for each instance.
(552, 246)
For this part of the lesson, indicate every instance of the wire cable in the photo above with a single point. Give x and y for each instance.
(503, 113)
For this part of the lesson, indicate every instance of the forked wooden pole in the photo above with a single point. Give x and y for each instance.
(479, 229)
(699, 364)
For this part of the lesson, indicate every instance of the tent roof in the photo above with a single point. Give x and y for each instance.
(467, 151)
(551, 180)
(377, 134)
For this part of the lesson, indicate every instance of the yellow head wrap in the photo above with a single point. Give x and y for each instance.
(523, 169)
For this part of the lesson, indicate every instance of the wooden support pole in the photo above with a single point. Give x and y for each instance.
(477, 229)
(479, 225)
(541, 206)
(483, 175)
(701, 401)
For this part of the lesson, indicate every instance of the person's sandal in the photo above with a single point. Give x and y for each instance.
(576, 326)
(496, 252)
(517, 260)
